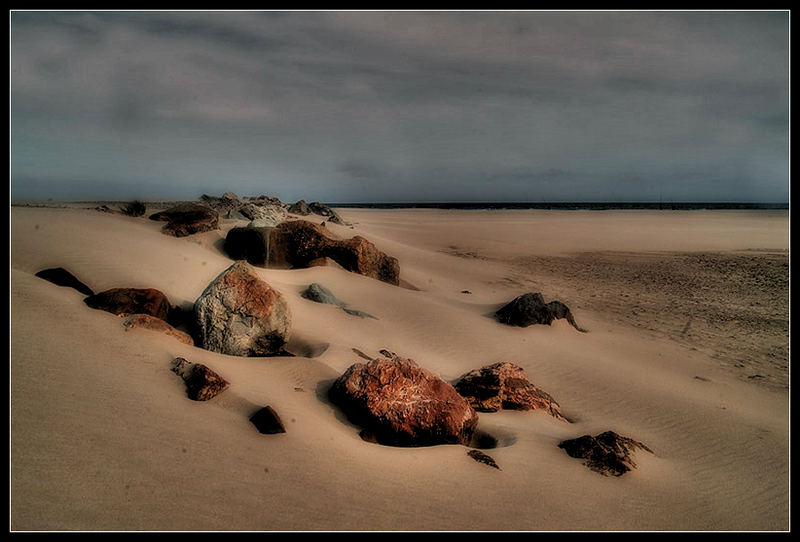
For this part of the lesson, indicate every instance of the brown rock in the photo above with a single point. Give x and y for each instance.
(156, 324)
(608, 453)
(481, 457)
(401, 404)
(62, 277)
(202, 383)
(241, 315)
(187, 219)
(504, 386)
(129, 301)
(267, 421)
(298, 243)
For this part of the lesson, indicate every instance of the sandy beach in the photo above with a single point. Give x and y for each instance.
(687, 351)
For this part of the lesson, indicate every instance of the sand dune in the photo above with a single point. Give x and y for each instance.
(103, 436)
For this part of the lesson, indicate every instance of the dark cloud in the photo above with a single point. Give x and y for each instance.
(407, 106)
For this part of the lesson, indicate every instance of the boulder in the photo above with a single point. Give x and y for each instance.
(152, 323)
(296, 243)
(241, 315)
(267, 421)
(321, 209)
(62, 277)
(529, 309)
(300, 208)
(130, 301)
(399, 403)
(504, 386)
(187, 219)
(250, 243)
(607, 453)
(202, 383)
(268, 215)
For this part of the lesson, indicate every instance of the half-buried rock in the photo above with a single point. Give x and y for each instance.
(529, 309)
(267, 421)
(299, 244)
(241, 315)
(398, 403)
(608, 453)
(202, 383)
(250, 243)
(62, 277)
(152, 323)
(504, 386)
(187, 218)
(129, 301)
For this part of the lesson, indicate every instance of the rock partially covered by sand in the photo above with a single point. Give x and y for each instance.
(202, 383)
(145, 321)
(300, 208)
(241, 315)
(529, 309)
(399, 403)
(62, 277)
(250, 243)
(187, 219)
(266, 214)
(267, 421)
(504, 386)
(298, 243)
(130, 301)
(608, 453)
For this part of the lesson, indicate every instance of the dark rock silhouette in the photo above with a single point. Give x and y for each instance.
(249, 243)
(399, 403)
(188, 218)
(267, 421)
(62, 277)
(202, 383)
(504, 386)
(481, 457)
(529, 309)
(608, 453)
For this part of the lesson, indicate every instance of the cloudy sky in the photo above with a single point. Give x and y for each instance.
(343, 106)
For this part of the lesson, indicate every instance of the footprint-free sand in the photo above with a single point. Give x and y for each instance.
(687, 351)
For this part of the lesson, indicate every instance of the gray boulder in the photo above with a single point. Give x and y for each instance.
(241, 315)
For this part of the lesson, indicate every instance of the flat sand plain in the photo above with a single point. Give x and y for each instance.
(687, 351)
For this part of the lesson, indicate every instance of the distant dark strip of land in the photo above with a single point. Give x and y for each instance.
(591, 206)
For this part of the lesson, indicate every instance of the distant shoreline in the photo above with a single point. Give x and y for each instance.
(562, 206)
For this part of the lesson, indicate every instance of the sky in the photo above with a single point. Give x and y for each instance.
(379, 106)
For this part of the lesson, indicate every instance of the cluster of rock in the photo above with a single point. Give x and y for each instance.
(297, 244)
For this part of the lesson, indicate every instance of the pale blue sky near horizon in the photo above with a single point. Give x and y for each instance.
(356, 106)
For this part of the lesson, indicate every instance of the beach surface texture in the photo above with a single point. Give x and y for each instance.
(683, 348)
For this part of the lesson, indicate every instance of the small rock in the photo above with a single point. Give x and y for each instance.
(608, 453)
(529, 309)
(267, 421)
(481, 457)
(202, 383)
(130, 301)
(187, 219)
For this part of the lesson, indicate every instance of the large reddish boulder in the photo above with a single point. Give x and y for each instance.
(241, 315)
(299, 243)
(129, 301)
(504, 386)
(187, 219)
(202, 383)
(399, 403)
(607, 453)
